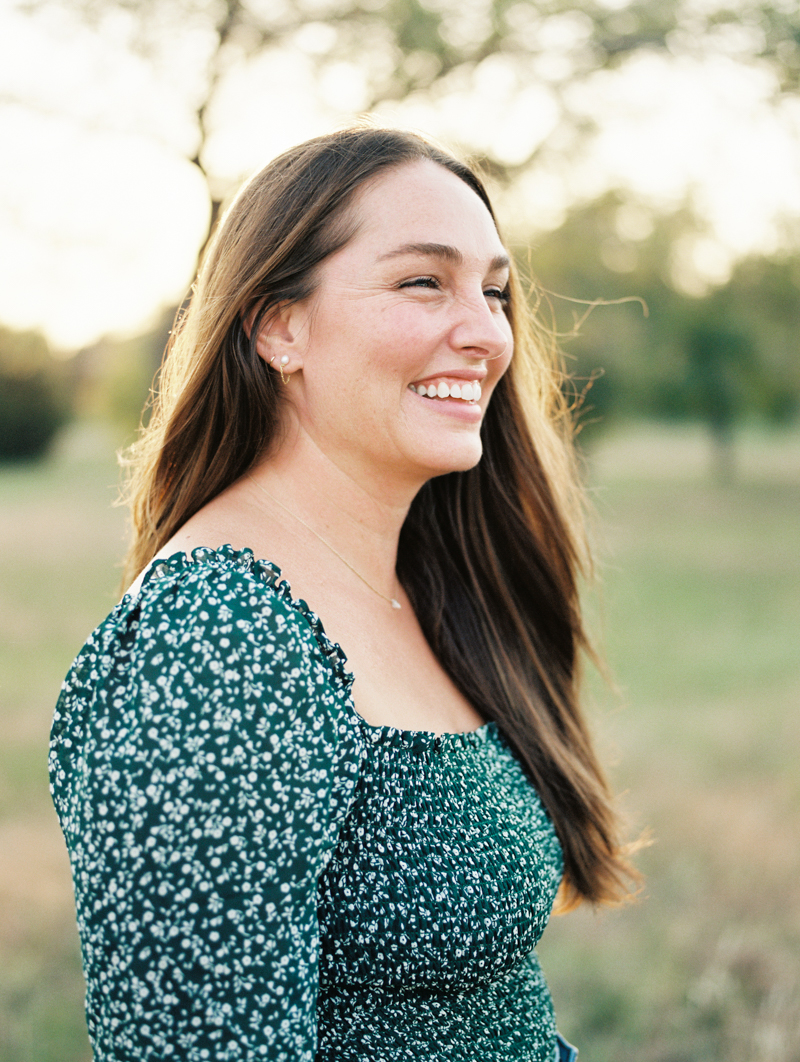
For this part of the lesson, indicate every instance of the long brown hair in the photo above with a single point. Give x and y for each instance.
(489, 558)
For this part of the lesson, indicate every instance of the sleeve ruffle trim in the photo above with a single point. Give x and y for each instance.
(226, 558)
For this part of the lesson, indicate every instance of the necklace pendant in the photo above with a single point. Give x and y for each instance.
(396, 604)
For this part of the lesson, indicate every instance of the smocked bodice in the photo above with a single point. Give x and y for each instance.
(440, 885)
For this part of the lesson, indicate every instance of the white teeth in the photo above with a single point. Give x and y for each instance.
(468, 392)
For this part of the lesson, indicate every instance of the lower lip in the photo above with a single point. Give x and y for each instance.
(454, 407)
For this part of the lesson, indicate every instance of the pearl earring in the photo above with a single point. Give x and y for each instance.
(283, 363)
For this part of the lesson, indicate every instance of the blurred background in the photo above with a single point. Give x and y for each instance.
(645, 151)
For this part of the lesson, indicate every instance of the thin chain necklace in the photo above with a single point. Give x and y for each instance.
(389, 600)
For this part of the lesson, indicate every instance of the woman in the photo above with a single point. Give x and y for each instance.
(279, 854)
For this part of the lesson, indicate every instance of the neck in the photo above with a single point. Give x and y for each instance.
(359, 516)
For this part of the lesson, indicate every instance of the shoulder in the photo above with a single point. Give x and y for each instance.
(213, 604)
(212, 653)
(222, 601)
(216, 631)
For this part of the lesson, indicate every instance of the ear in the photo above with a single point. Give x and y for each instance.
(279, 335)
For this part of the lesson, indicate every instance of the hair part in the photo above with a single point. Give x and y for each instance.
(489, 558)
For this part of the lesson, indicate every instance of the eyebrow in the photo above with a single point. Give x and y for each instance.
(444, 251)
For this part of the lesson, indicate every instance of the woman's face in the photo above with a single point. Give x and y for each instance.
(412, 307)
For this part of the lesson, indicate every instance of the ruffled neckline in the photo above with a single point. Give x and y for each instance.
(245, 560)
(427, 740)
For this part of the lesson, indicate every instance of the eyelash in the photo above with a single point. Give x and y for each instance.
(432, 282)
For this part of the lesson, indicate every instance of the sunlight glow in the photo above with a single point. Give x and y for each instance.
(101, 214)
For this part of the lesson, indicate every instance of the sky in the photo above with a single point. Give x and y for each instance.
(101, 214)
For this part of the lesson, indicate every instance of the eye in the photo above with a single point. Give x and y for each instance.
(501, 294)
(421, 282)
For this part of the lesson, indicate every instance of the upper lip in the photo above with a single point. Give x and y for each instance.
(468, 375)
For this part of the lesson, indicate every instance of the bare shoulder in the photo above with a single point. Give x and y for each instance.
(217, 524)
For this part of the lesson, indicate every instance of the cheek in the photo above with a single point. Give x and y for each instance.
(503, 363)
(411, 325)
(398, 349)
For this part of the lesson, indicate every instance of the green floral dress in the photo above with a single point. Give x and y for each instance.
(259, 874)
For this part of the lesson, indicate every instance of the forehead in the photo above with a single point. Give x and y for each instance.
(422, 202)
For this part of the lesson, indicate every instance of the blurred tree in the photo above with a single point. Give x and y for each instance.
(35, 396)
(766, 32)
(115, 376)
(762, 302)
(624, 356)
(404, 47)
(729, 356)
(720, 359)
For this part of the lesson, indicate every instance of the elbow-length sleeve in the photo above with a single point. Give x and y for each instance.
(202, 762)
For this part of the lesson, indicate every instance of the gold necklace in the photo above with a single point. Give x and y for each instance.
(389, 600)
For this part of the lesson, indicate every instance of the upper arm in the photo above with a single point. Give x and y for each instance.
(204, 817)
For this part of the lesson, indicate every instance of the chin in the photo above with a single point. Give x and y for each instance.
(457, 459)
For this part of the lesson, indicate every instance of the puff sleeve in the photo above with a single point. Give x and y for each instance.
(201, 765)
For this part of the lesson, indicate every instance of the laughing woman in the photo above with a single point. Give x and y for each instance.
(284, 853)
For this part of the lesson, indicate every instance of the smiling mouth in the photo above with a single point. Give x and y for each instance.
(467, 392)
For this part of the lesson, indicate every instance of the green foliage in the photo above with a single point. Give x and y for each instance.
(118, 374)
(727, 357)
(35, 396)
(773, 30)
(761, 302)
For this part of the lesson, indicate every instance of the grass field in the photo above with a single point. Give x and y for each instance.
(699, 617)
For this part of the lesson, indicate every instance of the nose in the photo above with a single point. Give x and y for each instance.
(480, 331)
